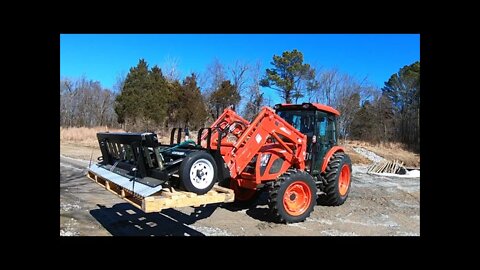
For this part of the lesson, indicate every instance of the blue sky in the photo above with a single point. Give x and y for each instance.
(103, 57)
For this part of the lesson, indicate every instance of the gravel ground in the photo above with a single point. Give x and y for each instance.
(377, 205)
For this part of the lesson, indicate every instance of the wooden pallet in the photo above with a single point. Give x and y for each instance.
(386, 166)
(167, 197)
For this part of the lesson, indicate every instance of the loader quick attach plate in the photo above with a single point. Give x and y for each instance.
(135, 185)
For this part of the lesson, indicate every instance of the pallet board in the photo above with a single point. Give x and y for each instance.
(387, 166)
(165, 198)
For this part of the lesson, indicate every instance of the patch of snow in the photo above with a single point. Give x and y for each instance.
(368, 154)
(296, 225)
(413, 173)
(409, 188)
(68, 233)
(359, 168)
(407, 234)
(76, 159)
(68, 229)
(70, 167)
(209, 231)
(333, 232)
(370, 222)
(67, 207)
(321, 221)
(407, 175)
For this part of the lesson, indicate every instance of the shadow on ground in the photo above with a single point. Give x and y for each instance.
(256, 208)
(125, 220)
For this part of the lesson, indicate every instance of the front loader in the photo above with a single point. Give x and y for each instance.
(291, 152)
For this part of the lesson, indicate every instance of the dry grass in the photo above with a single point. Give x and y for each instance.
(79, 151)
(80, 142)
(389, 151)
(83, 135)
(88, 136)
(355, 157)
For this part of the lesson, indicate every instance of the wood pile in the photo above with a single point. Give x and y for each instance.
(387, 166)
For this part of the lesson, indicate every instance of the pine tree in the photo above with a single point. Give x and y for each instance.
(130, 102)
(290, 76)
(187, 107)
(156, 98)
(143, 100)
(403, 89)
(226, 95)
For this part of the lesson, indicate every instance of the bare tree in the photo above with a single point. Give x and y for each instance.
(342, 92)
(119, 82)
(202, 81)
(170, 68)
(347, 98)
(329, 82)
(85, 103)
(239, 72)
(255, 96)
(214, 76)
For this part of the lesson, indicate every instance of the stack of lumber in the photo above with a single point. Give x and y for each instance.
(387, 166)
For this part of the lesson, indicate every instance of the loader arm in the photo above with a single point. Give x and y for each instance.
(226, 121)
(267, 127)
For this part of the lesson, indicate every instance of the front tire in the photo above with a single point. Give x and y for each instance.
(293, 196)
(338, 176)
(198, 172)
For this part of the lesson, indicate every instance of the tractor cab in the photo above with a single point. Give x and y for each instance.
(318, 122)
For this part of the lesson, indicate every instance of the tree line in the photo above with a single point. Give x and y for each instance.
(84, 102)
(147, 99)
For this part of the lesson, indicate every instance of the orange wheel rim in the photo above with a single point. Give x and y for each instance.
(344, 180)
(242, 194)
(297, 198)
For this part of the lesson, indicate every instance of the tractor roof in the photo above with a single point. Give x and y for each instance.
(319, 106)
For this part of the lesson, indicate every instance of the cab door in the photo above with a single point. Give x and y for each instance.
(325, 138)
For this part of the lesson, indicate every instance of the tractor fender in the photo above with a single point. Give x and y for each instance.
(329, 155)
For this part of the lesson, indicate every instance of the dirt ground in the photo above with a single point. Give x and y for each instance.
(377, 206)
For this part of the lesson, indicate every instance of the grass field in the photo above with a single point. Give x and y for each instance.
(82, 143)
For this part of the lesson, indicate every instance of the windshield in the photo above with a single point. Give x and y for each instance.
(302, 120)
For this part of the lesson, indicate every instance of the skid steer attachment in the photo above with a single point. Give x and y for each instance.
(144, 172)
(132, 161)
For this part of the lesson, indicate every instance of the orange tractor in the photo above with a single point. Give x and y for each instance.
(291, 152)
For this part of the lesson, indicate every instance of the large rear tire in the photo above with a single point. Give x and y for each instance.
(293, 196)
(198, 172)
(338, 176)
